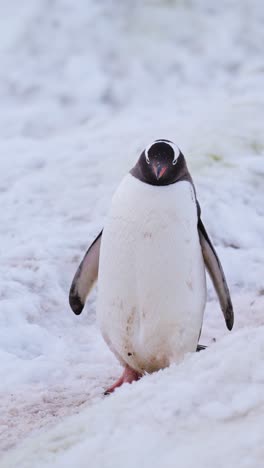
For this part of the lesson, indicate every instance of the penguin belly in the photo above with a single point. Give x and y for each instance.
(151, 283)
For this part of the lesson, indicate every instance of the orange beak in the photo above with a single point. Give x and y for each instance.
(159, 170)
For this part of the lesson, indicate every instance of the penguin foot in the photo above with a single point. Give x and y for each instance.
(129, 375)
(200, 347)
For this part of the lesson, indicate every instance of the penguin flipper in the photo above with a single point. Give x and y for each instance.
(85, 276)
(216, 272)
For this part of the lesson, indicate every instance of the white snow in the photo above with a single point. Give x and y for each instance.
(84, 87)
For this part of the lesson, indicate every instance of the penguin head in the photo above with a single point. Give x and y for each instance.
(160, 163)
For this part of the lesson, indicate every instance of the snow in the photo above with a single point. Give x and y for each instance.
(84, 88)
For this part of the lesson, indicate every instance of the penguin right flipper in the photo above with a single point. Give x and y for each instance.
(85, 276)
(217, 275)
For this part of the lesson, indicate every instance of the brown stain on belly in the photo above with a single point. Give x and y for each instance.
(147, 235)
(189, 284)
(130, 320)
(130, 325)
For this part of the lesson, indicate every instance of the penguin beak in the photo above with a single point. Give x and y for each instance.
(159, 170)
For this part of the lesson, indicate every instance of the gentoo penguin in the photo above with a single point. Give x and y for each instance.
(150, 261)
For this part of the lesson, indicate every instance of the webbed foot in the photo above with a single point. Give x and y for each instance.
(129, 375)
(200, 347)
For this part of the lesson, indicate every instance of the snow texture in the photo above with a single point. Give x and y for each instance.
(84, 87)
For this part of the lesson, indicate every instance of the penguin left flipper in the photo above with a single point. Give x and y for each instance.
(85, 276)
(216, 272)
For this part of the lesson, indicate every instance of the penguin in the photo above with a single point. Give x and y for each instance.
(150, 261)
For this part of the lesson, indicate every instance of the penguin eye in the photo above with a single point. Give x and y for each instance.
(147, 158)
(175, 159)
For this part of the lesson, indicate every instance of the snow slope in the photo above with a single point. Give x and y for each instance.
(84, 87)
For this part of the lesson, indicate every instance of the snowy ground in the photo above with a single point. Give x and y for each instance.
(84, 86)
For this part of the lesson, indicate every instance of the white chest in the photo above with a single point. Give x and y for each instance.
(151, 273)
